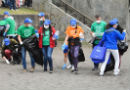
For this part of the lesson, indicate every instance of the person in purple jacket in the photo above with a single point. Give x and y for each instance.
(109, 40)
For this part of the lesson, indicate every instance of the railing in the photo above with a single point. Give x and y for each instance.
(73, 12)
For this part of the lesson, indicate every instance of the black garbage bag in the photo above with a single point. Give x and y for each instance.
(122, 46)
(81, 57)
(31, 44)
(17, 58)
(2, 29)
(111, 65)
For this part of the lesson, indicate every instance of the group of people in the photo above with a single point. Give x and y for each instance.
(102, 34)
(15, 4)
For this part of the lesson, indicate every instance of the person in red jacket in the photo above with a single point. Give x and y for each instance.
(47, 43)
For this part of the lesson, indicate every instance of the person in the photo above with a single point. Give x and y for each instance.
(10, 25)
(12, 4)
(97, 29)
(0, 3)
(110, 38)
(7, 49)
(47, 43)
(41, 16)
(73, 40)
(24, 32)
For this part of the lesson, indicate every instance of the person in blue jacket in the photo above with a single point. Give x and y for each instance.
(109, 40)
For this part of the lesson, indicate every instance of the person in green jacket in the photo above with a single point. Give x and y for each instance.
(97, 30)
(10, 25)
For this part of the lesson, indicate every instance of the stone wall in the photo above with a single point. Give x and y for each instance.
(20, 19)
(60, 19)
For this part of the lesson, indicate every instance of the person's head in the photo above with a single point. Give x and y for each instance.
(41, 16)
(47, 26)
(6, 14)
(6, 41)
(114, 23)
(73, 23)
(47, 23)
(27, 22)
(98, 18)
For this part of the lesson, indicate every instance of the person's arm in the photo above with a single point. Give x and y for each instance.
(121, 36)
(92, 31)
(66, 39)
(20, 40)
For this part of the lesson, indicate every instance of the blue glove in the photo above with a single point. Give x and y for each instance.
(55, 36)
(37, 35)
(64, 46)
(64, 67)
(4, 34)
(36, 31)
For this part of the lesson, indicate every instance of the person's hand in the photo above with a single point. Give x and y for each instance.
(93, 34)
(4, 34)
(124, 30)
(37, 35)
(21, 43)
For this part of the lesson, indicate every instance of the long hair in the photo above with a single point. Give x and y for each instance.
(50, 29)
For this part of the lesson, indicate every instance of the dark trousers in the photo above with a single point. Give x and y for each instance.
(13, 4)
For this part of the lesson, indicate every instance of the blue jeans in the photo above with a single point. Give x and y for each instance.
(47, 53)
(13, 4)
(23, 50)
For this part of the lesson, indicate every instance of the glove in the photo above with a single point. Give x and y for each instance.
(21, 43)
(124, 31)
(93, 34)
(64, 66)
(55, 36)
(4, 34)
(37, 35)
(64, 46)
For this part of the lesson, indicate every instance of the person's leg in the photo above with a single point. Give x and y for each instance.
(72, 57)
(32, 60)
(115, 53)
(23, 51)
(14, 4)
(49, 57)
(44, 51)
(76, 54)
(105, 62)
(10, 5)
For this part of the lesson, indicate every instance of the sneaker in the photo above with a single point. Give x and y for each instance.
(64, 67)
(32, 70)
(24, 70)
(94, 69)
(101, 73)
(72, 68)
(116, 73)
(51, 71)
(76, 72)
(69, 67)
(7, 61)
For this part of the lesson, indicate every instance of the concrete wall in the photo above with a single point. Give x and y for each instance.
(60, 19)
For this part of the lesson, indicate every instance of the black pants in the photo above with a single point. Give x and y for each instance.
(28, 3)
(95, 64)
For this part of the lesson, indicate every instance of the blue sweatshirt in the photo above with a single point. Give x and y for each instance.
(110, 38)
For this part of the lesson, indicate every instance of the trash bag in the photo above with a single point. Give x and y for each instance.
(2, 29)
(98, 54)
(122, 46)
(17, 58)
(31, 44)
(81, 56)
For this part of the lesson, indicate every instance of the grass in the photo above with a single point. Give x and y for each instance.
(23, 11)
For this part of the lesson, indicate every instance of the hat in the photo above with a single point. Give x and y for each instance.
(73, 22)
(41, 14)
(6, 13)
(113, 21)
(27, 20)
(6, 41)
(47, 22)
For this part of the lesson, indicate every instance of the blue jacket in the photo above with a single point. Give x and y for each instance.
(110, 38)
